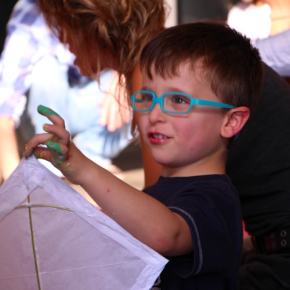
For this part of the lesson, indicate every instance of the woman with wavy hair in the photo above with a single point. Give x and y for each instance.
(109, 34)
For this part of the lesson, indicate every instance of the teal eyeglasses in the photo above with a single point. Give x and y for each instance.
(170, 102)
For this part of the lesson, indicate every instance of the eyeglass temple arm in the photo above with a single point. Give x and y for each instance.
(214, 104)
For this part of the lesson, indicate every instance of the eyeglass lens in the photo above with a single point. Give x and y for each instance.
(171, 102)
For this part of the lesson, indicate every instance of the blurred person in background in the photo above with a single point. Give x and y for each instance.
(33, 59)
(260, 19)
(258, 162)
(267, 24)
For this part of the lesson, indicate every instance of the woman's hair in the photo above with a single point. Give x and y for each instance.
(105, 27)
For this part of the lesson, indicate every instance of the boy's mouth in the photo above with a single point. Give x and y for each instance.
(158, 136)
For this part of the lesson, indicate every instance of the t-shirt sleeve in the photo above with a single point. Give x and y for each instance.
(212, 222)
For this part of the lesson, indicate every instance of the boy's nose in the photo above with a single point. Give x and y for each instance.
(156, 114)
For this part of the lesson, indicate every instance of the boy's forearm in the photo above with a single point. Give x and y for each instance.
(144, 217)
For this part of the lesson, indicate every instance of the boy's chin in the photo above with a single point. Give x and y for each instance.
(164, 162)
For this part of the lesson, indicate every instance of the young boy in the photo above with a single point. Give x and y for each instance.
(200, 82)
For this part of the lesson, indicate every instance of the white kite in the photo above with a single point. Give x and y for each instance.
(52, 238)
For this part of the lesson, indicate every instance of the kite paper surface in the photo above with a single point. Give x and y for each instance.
(52, 238)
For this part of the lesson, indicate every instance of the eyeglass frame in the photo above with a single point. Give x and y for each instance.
(160, 99)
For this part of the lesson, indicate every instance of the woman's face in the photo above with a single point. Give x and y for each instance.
(92, 53)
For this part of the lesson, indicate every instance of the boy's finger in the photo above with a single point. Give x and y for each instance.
(51, 115)
(35, 141)
(42, 153)
(60, 149)
(47, 154)
(46, 111)
(61, 135)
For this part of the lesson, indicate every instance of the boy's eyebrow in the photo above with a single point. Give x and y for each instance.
(145, 89)
(170, 89)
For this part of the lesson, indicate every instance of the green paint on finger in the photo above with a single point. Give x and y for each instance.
(54, 146)
(45, 111)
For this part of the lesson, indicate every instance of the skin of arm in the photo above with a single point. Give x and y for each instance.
(152, 169)
(115, 113)
(144, 217)
(279, 15)
(9, 157)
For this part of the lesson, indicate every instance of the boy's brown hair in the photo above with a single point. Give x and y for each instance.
(230, 64)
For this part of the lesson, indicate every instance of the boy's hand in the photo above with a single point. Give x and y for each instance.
(60, 151)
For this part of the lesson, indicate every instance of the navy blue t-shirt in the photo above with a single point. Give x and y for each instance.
(210, 206)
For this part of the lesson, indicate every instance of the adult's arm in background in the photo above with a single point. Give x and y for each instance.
(21, 52)
(275, 52)
(9, 157)
(115, 110)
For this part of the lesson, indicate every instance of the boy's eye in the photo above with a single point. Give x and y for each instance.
(147, 97)
(178, 99)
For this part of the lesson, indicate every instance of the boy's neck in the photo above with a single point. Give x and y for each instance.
(211, 165)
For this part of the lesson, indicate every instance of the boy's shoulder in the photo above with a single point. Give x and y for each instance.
(193, 196)
(170, 187)
(210, 206)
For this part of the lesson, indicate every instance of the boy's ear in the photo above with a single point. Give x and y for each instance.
(234, 121)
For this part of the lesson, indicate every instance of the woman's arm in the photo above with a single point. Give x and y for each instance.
(275, 52)
(115, 110)
(9, 157)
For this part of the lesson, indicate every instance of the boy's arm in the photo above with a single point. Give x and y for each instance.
(140, 214)
(144, 217)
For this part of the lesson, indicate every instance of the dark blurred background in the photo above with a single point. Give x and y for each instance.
(194, 10)
(5, 11)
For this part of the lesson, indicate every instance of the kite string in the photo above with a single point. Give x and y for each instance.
(33, 244)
